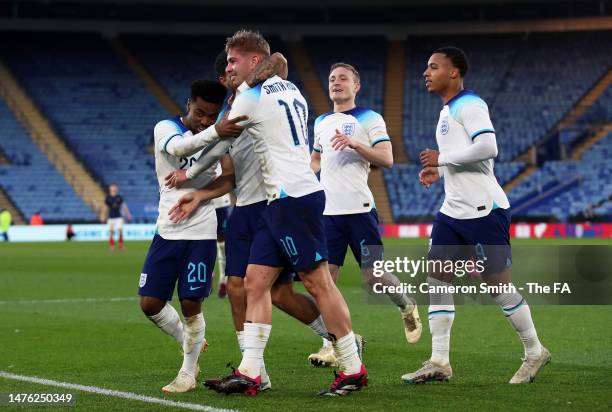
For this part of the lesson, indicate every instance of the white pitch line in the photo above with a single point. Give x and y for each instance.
(109, 392)
(77, 300)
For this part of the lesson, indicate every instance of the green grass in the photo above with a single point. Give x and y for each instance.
(112, 345)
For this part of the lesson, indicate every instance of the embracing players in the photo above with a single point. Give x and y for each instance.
(293, 230)
(184, 254)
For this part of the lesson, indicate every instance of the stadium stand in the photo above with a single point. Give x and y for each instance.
(527, 81)
(600, 111)
(98, 105)
(106, 114)
(31, 181)
(367, 54)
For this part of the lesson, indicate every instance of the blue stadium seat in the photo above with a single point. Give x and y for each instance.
(97, 104)
(31, 181)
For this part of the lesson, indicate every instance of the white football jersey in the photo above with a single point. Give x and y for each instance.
(278, 114)
(250, 187)
(222, 201)
(202, 224)
(344, 173)
(471, 190)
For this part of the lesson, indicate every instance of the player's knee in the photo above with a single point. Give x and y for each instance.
(191, 307)
(234, 282)
(280, 294)
(317, 284)
(253, 286)
(151, 307)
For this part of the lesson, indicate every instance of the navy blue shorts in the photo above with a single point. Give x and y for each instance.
(485, 238)
(223, 214)
(190, 263)
(243, 224)
(293, 232)
(359, 231)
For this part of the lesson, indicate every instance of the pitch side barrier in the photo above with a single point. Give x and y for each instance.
(99, 232)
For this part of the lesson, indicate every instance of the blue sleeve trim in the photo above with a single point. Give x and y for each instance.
(321, 117)
(168, 140)
(479, 132)
(382, 139)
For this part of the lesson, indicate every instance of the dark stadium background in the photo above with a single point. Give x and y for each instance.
(82, 84)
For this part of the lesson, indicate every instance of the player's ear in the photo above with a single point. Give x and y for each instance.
(454, 73)
(357, 87)
(188, 105)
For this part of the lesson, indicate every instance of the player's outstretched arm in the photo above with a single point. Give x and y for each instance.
(381, 154)
(270, 66)
(189, 145)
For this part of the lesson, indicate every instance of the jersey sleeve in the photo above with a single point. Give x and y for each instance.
(475, 118)
(317, 137)
(375, 127)
(163, 132)
(246, 104)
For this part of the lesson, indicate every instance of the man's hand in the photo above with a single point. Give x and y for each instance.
(176, 178)
(429, 176)
(185, 206)
(227, 128)
(341, 141)
(429, 158)
(270, 66)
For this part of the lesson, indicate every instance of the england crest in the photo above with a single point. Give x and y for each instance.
(444, 126)
(348, 129)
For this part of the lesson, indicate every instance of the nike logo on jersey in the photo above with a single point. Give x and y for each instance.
(196, 288)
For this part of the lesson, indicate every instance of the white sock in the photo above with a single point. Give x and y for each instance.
(168, 320)
(318, 326)
(221, 260)
(195, 328)
(441, 314)
(255, 339)
(345, 349)
(517, 311)
(440, 322)
(240, 337)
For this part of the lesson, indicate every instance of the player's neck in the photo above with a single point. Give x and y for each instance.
(451, 92)
(344, 106)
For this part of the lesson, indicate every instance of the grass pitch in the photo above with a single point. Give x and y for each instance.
(60, 320)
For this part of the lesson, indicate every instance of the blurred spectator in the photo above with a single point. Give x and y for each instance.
(36, 220)
(70, 232)
(5, 222)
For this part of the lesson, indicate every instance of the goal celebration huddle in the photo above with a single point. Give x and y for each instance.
(247, 132)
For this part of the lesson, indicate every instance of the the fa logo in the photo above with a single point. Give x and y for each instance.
(444, 126)
(143, 279)
(348, 129)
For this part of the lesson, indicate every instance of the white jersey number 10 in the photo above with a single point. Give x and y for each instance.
(301, 113)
